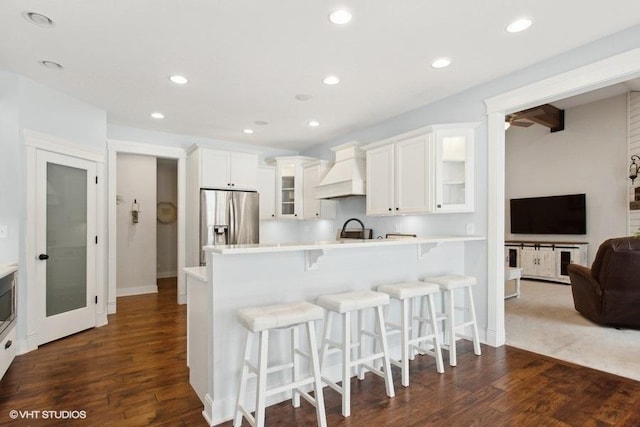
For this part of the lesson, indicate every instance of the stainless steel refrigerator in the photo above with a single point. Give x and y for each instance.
(228, 218)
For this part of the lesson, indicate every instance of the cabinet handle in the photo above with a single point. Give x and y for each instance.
(8, 344)
(43, 257)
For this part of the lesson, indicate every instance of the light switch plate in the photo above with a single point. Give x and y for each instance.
(4, 231)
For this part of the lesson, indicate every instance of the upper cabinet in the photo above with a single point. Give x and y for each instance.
(454, 163)
(397, 177)
(267, 191)
(313, 208)
(422, 171)
(289, 186)
(228, 169)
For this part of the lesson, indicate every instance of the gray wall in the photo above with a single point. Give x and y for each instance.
(589, 156)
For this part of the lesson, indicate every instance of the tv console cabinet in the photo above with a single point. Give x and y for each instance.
(544, 260)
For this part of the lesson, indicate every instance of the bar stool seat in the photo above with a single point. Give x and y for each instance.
(260, 320)
(411, 337)
(448, 284)
(344, 304)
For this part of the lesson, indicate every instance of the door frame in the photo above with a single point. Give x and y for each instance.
(114, 148)
(35, 141)
(605, 72)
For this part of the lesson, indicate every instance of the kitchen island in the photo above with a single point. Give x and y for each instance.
(251, 275)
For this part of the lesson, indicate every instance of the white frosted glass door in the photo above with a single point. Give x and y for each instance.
(66, 210)
(66, 239)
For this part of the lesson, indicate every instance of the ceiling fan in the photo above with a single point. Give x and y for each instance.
(546, 115)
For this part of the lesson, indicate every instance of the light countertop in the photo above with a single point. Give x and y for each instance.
(335, 244)
(199, 273)
(7, 269)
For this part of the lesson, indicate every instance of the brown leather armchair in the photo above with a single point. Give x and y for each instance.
(609, 291)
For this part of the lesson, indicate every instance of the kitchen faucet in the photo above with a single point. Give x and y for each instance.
(344, 227)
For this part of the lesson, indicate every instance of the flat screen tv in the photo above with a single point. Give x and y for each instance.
(565, 214)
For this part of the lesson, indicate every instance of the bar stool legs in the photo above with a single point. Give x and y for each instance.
(344, 305)
(448, 284)
(407, 293)
(260, 320)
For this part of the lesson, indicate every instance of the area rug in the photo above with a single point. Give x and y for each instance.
(543, 320)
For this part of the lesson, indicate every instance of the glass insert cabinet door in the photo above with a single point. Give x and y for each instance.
(454, 170)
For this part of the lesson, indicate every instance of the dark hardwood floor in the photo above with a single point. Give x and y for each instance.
(133, 372)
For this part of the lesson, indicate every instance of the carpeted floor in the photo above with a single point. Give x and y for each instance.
(543, 320)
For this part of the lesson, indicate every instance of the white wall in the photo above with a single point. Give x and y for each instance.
(11, 172)
(136, 271)
(589, 156)
(167, 234)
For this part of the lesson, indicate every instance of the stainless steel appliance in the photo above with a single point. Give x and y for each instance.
(7, 302)
(228, 218)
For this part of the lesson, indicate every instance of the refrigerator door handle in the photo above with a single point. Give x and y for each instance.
(232, 220)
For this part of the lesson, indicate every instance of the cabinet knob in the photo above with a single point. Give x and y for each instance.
(397, 209)
(228, 184)
(439, 206)
(273, 215)
(389, 209)
(233, 185)
(295, 214)
(317, 214)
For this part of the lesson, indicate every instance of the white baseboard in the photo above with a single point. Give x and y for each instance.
(138, 290)
(167, 274)
(111, 307)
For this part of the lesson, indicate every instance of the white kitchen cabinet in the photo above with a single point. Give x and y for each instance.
(313, 208)
(289, 186)
(412, 175)
(228, 169)
(426, 170)
(267, 191)
(398, 177)
(454, 149)
(380, 181)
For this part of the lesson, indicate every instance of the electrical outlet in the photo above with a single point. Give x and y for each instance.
(4, 231)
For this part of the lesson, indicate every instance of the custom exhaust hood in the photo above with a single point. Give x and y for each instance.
(347, 176)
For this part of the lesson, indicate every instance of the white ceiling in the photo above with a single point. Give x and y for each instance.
(246, 60)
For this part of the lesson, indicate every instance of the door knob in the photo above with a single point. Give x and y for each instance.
(43, 257)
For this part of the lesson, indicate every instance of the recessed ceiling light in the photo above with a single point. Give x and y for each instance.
(507, 125)
(441, 63)
(340, 16)
(303, 97)
(519, 25)
(179, 80)
(38, 19)
(313, 123)
(157, 115)
(248, 131)
(51, 65)
(331, 80)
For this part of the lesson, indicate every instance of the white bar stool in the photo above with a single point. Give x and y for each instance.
(448, 284)
(406, 293)
(261, 320)
(344, 304)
